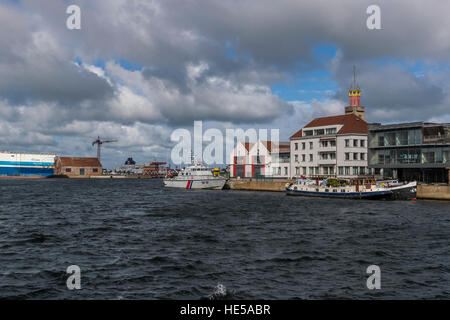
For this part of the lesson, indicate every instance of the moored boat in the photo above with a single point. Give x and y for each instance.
(196, 176)
(351, 189)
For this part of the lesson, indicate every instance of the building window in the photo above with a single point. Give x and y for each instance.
(297, 171)
(341, 170)
(355, 156)
(303, 157)
(285, 171)
(333, 156)
(311, 145)
(325, 170)
(355, 143)
(82, 172)
(279, 171)
(355, 171)
(362, 156)
(296, 146)
(296, 158)
(363, 143)
(324, 143)
(308, 133)
(347, 156)
(347, 143)
(68, 169)
(331, 130)
(319, 132)
(311, 170)
(95, 170)
(325, 156)
(362, 170)
(331, 170)
(377, 171)
(310, 157)
(316, 170)
(303, 145)
(333, 143)
(304, 171)
(347, 171)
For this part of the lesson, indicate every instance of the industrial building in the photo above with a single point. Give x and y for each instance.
(260, 159)
(72, 166)
(410, 151)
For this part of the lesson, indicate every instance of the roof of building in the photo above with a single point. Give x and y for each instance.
(268, 145)
(248, 145)
(350, 124)
(298, 134)
(282, 146)
(79, 162)
(379, 126)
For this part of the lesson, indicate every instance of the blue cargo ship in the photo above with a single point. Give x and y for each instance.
(26, 164)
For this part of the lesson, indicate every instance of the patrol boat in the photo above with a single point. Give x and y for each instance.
(195, 176)
(352, 189)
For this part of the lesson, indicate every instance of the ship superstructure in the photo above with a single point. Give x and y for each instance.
(26, 164)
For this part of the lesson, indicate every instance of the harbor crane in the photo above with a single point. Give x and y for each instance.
(99, 142)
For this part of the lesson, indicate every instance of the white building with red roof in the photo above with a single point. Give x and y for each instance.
(260, 159)
(333, 146)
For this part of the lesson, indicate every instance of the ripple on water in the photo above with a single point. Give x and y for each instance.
(134, 239)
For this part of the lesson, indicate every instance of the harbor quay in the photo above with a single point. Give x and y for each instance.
(345, 148)
(424, 191)
(254, 184)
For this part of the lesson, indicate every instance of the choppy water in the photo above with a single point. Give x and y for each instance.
(134, 239)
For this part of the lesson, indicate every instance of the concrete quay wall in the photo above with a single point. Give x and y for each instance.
(434, 192)
(276, 185)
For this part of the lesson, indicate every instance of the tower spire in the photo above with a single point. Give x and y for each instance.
(354, 95)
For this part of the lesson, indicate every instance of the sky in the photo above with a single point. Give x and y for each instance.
(139, 69)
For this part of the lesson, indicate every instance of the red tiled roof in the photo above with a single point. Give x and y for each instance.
(298, 134)
(268, 145)
(282, 146)
(350, 124)
(248, 145)
(79, 162)
(353, 124)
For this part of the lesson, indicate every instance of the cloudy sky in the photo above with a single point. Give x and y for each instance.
(138, 69)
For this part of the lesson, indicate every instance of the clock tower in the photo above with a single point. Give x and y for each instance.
(354, 95)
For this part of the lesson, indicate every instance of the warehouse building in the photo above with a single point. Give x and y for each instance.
(73, 166)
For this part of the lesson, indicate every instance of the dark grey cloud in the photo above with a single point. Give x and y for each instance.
(206, 60)
(393, 92)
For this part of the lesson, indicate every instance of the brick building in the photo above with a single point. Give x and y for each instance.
(72, 166)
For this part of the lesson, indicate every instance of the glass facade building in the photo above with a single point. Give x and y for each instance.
(411, 151)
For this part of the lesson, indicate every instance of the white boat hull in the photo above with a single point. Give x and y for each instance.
(214, 183)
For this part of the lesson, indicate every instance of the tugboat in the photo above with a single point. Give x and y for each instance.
(195, 176)
(352, 189)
